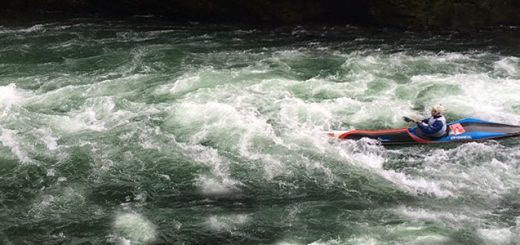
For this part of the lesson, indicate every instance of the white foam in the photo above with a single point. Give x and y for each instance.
(184, 84)
(364, 239)
(46, 137)
(236, 126)
(96, 114)
(218, 117)
(219, 181)
(134, 228)
(201, 81)
(226, 222)
(243, 126)
(10, 139)
(417, 185)
(430, 239)
(9, 96)
(62, 201)
(212, 186)
(35, 28)
(452, 218)
(498, 236)
(366, 154)
(471, 93)
(359, 64)
(414, 234)
(84, 121)
(483, 169)
(480, 96)
(288, 243)
(515, 230)
(329, 242)
(295, 113)
(509, 65)
(51, 172)
(50, 142)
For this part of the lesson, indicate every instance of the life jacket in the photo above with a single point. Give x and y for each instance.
(441, 132)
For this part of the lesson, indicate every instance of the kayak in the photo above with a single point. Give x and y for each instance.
(464, 130)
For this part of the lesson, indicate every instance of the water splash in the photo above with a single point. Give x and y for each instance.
(134, 228)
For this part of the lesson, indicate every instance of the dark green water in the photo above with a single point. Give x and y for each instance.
(142, 132)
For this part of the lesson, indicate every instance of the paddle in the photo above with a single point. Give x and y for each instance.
(411, 119)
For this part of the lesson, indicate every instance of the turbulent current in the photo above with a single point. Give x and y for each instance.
(146, 132)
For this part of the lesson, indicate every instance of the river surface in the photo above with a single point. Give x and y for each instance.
(148, 132)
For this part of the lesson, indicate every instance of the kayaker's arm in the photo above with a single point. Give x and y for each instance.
(434, 128)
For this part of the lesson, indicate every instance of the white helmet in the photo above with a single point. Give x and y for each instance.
(438, 108)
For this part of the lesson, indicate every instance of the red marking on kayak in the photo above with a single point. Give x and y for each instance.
(456, 129)
(371, 132)
(419, 139)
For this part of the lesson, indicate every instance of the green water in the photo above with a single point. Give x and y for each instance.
(145, 132)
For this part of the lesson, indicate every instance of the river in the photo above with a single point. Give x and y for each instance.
(140, 131)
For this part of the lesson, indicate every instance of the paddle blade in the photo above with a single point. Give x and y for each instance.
(411, 119)
(407, 119)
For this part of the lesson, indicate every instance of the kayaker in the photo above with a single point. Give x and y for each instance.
(435, 126)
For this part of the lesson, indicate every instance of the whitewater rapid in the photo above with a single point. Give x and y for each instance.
(143, 133)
